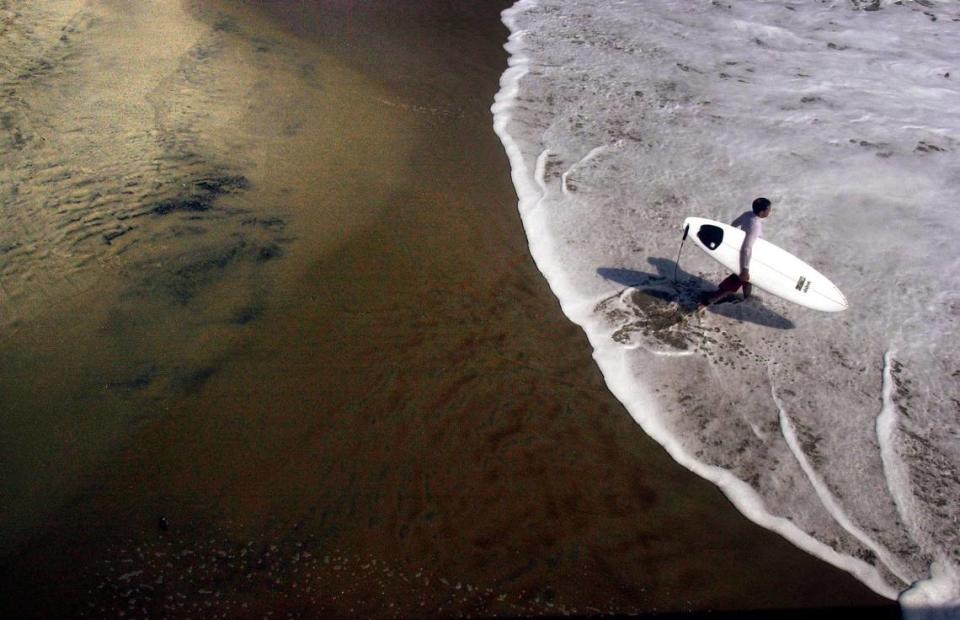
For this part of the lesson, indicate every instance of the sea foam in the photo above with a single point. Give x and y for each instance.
(621, 119)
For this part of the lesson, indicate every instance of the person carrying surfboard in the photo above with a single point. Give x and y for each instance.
(750, 222)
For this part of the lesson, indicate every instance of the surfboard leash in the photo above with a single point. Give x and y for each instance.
(676, 264)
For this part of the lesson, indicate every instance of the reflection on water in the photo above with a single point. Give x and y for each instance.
(164, 180)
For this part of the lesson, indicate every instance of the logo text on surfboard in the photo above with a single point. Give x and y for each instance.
(803, 285)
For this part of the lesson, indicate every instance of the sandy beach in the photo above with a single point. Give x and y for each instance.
(272, 340)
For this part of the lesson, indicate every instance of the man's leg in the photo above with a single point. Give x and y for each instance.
(727, 288)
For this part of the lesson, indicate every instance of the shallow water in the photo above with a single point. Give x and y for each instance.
(838, 431)
(156, 173)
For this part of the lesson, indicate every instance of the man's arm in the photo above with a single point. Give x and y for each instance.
(746, 251)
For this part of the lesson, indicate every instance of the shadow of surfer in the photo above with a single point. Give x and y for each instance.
(687, 292)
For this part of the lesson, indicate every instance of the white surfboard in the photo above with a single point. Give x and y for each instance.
(771, 269)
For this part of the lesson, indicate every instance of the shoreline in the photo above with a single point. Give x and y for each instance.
(413, 422)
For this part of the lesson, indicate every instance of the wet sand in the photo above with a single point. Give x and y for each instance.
(324, 377)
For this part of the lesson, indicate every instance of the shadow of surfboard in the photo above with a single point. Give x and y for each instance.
(659, 288)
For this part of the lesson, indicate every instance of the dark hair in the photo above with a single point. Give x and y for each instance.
(760, 205)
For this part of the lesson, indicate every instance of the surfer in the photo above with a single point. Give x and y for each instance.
(750, 223)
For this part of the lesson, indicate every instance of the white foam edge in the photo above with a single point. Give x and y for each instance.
(934, 597)
(830, 503)
(611, 358)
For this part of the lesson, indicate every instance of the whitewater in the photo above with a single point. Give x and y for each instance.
(839, 431)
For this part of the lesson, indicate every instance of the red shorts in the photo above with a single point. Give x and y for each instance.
(731, 284)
